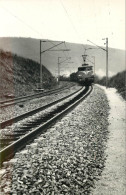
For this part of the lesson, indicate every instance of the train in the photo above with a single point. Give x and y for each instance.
(85, 75)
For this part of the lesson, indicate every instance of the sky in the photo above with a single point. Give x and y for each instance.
(65, 20)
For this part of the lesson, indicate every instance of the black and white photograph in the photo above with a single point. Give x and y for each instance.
(62, 97)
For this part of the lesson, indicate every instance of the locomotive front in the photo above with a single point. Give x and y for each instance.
(85, 74)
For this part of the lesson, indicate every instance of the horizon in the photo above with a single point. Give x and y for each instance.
(89, 44)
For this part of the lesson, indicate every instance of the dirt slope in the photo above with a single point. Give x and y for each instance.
(19, 75)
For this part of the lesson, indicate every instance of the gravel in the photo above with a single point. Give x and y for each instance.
(68, 158)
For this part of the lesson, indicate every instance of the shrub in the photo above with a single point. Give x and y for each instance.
(118, 81)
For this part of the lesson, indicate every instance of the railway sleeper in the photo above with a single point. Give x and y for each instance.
(25, 128)
(32, 125)
(6, 139)
(14, 134)
(20, 131)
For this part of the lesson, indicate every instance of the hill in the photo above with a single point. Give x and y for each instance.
(30, 48)
(19, 75)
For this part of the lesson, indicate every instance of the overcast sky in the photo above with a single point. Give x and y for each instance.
(65, 20)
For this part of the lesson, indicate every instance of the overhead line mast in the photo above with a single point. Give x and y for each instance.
(49, 49)
(106, 50)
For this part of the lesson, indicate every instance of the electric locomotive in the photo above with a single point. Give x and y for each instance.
(85, 74)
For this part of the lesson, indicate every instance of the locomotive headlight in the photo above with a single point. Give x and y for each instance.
(79, 75)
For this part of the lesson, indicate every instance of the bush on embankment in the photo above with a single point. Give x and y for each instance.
(117, 81)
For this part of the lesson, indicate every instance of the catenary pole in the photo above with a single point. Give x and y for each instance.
(107, 62)
(94, 64)
(106, 50)
(40, 68)
(58, 69)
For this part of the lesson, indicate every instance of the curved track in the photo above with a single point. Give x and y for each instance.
(33, 128)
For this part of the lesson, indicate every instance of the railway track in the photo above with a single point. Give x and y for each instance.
(37, 124)
(32, 112)
(22, 99)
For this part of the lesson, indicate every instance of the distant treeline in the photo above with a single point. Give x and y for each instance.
(118, 81)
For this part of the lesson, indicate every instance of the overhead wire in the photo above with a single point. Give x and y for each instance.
(29, 26)
(90, 61)
(72, 24)
(19, 19)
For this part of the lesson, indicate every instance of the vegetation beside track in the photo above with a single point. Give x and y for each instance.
(117, 81)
